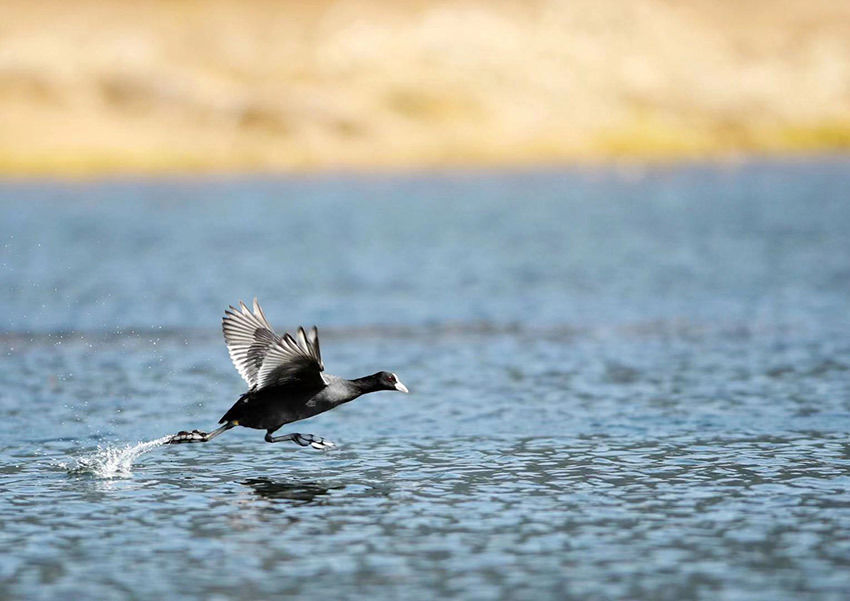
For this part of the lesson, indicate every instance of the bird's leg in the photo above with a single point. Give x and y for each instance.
(305, 440)
(198, 436)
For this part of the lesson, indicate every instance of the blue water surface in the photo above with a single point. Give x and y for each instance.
(627, 383)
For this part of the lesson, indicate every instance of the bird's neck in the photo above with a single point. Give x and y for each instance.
(342, 391)
(365, 384)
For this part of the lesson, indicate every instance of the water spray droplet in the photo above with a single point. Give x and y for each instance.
(113, 462)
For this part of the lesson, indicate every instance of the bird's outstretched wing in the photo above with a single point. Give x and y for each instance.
(263, 358)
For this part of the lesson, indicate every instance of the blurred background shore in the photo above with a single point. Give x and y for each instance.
(226, 85)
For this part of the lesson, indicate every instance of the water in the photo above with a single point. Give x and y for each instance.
(112, 462)
(625, 384)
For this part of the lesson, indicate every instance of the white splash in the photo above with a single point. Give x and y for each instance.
(114, 462)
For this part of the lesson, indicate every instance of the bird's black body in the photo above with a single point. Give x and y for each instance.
(286, 379)
(270, 408)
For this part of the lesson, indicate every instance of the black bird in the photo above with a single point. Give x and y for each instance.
(286, 378)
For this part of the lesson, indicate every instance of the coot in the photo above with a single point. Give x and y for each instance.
(286, 380)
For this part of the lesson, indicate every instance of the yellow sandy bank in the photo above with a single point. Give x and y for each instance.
(89, 87)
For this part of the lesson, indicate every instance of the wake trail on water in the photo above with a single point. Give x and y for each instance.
(113, 462)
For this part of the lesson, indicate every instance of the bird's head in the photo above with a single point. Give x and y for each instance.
(390, 381)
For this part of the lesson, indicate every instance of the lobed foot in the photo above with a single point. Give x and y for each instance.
(184, 436)
(310, 440)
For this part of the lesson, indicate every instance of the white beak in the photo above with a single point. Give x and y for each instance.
(401, 387)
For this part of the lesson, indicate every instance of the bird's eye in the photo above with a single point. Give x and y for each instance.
(391, 378)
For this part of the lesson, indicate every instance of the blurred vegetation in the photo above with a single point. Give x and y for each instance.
(114, 85)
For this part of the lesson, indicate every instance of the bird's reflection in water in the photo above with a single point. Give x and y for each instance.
(289, 490)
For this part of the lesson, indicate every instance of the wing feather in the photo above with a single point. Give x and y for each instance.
(263, 358)
(313, 341)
